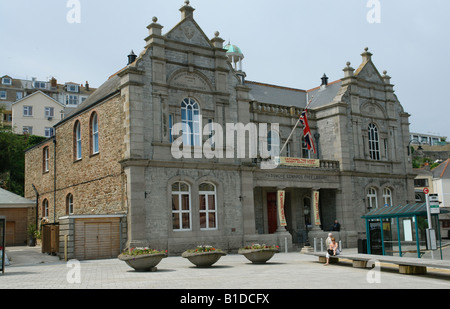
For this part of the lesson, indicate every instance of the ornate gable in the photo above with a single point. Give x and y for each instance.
(187, 30)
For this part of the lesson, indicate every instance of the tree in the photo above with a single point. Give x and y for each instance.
(12, 159)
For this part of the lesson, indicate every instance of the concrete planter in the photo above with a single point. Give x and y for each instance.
(258, 256)
(144, 262)
(203, 259)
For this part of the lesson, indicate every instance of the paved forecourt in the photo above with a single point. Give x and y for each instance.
(283, 271)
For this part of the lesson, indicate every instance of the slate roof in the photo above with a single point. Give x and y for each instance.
(323, 95)
(9, 198)
(442, 170)
(272, 94)
(108, 88)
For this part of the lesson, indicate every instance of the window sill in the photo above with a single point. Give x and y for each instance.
(94, 154)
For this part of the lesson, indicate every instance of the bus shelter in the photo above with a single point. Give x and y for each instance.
(2, 243)
(398, 230)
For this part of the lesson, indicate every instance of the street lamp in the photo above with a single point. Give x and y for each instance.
(409, 145)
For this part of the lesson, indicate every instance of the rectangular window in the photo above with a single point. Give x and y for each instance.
(181, 209)
(208, 212)
(39, 85)
(72, 88)
(170, 127)
(420, 182)
(49, 112)
(71, 99)
(28, 130)
(6, 81)
(28, 111)
(19, 95)
(48, 132)
(3, 95)
(46, 160)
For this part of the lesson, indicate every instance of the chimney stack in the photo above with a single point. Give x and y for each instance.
(324, 80)
(131, 57)
(87, 86)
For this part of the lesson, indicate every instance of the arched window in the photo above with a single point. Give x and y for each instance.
(372, 198)
(190, 119)
(181, 206)
(77, 140)
(374, 142)
(69, 204)
(45, 208)
(387, 197)
(208, 206)
(94, 133)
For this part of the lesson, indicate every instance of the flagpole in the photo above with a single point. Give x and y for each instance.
(292, 132)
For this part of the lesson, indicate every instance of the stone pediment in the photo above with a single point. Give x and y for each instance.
(367, 71)
(190, 80)
(188, 31)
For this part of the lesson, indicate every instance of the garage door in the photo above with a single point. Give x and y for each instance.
(97, 238)
(10, 234)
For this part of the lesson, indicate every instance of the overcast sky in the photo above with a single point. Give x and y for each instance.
(290, 43)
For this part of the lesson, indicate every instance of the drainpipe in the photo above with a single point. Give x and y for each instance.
(37, 203)
(54, 179)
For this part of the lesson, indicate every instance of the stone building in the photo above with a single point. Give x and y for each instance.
(120, 181)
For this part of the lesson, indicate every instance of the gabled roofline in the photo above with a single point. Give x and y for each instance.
(34, 93)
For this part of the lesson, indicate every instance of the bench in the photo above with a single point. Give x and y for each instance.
(412, 266)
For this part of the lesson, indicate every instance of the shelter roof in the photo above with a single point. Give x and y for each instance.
(408, 210)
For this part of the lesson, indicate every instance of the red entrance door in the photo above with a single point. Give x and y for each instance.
(272, 212)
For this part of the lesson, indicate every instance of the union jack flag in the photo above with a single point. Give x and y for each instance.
(307, 132)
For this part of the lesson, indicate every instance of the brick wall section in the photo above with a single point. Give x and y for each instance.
(95, 181)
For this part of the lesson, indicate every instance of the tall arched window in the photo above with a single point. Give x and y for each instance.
(372, 198)
(208, 206)
(181, 206)
(69, 204)
(190, 119)
(94, 133)
(45, 208)
(374, 142)
(77, 140)
(387, 197)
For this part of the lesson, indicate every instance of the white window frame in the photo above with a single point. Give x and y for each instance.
(191, 119)
(46, 159)
(94, 131)
(45, 208)
(4, 79)
(19, 95)
(78, 149)
(3, 95)
(39, 85)
(207, 212)
(49, 131)
(70, 98)
(49, 112)
(27, 111)
(27, 130)
(387, 197)
(69, 203)
(71, 88)
(372, 198)
(180, 212)
(374, 142)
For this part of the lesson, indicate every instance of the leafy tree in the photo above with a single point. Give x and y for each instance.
(12, 159)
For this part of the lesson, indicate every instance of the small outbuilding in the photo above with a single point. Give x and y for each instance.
(19, 213)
